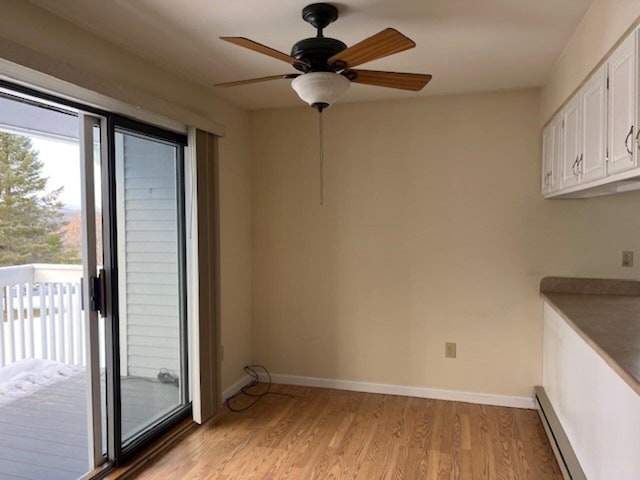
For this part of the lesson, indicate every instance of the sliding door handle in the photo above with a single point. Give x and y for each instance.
(98, 293)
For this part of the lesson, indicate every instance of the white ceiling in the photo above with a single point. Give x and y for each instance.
(467, 45)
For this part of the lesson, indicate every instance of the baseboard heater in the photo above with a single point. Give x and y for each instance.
(569, 464)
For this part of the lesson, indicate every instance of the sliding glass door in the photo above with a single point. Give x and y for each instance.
(93, 331)
(151, 293)
(52, 363)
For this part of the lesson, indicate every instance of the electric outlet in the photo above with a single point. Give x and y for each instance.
(627, 259)
(450, 350)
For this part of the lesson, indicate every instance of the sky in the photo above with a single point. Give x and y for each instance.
(62, 167)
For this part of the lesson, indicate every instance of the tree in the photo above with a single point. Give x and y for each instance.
(31, 219)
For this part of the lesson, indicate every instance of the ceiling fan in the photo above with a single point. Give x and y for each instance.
(327, 64)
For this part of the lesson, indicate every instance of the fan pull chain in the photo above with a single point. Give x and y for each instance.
(321, 138)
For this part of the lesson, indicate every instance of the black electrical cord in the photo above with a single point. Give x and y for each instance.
(164, 376)
(246, 390)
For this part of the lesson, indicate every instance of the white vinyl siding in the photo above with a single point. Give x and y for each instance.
(149, 312)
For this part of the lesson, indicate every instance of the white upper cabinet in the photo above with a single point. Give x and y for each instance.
(622, 107)
(552, 156)
(593, 143)
(583, 132)
(572, 142)
(593, 103)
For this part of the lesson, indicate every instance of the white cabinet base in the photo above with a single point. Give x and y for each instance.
(599, 412)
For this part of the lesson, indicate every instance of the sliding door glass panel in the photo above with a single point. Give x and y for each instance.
(46, 423)
(150, 285)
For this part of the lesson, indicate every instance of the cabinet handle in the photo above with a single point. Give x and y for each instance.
(581, 164)
(626, 141)
(573, 167)
(638, 135)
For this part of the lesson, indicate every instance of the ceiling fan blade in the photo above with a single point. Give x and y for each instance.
(258, 47)
(382, 44)
(403, 81)
(256, 80)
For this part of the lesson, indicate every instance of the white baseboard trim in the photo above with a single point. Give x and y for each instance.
(420, 392)
(235, 387)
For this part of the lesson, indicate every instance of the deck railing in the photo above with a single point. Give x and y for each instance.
(42, 314)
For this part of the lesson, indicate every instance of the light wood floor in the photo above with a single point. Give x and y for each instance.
(322, 434)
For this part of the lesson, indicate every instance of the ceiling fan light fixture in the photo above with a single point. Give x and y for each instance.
(320, 89)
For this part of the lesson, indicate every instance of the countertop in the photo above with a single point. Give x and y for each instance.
(606, 314)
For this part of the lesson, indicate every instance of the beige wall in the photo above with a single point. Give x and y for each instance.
(604, 24)
(433, 230)
(37, 39)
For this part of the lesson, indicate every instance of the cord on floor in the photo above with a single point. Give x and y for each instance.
(246, 390)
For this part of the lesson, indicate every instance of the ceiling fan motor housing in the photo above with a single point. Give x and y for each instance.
(316, 51)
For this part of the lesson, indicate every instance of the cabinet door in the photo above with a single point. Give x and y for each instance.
(555, 178)
(592, 162)
(622, 107)
(547, 158)
(572, 142)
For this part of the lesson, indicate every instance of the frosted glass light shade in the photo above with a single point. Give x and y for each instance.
(320, 89)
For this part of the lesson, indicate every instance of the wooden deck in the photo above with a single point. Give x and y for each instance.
(44, 437)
